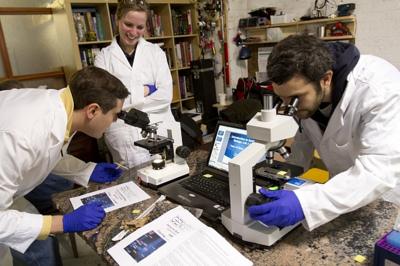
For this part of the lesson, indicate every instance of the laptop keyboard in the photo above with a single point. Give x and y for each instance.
(210, 188)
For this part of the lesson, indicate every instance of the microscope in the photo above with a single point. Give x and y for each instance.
(171, 164)
(270, 130)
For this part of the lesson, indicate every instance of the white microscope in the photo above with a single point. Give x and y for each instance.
(269, 130)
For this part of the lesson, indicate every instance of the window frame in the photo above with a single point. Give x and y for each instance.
(3, 45)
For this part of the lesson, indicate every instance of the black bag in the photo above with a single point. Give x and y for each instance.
(191, 133)
(240, 112)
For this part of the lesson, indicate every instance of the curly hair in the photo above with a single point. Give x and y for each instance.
(302, 55)
(124, 6)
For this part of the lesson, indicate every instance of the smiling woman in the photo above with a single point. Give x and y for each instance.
(143, 68)
(131, 23)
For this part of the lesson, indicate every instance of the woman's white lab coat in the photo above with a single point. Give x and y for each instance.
(360, 147)
(149, 67)
(32, 129)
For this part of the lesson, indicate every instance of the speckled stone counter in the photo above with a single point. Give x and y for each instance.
(335, 243)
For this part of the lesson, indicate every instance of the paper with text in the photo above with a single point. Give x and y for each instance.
(176, 238)
(112, 198)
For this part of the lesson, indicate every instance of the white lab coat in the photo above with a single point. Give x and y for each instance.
(360, 146)
(32, 129)
(149, 67)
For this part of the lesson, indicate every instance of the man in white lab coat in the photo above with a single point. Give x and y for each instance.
(34, 127)
(349, 110)
(143, 68)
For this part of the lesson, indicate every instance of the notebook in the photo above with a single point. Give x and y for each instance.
(229, 140)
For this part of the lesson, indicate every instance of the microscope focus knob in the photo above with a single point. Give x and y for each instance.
(158, 164)
(183, 151)
(256, 199)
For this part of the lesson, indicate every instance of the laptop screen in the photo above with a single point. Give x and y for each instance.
(228, 142)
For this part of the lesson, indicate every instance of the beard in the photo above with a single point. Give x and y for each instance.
(309, 111)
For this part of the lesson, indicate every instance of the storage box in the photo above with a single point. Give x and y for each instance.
(279, 19)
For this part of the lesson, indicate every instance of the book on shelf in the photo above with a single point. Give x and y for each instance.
(88, 24)
(185, 86)
(182, 86)
(167, 51)
(184, 54)
(154, 25)
(178, 55)
(168, 54)
(182, 21)
(88, 55)
(113, 23)
(99, 27)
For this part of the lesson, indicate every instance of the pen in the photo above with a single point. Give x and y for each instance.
(150, 208)
(121, 166)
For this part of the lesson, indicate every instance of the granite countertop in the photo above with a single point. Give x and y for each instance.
(335, 243)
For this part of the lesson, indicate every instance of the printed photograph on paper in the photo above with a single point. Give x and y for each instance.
(144, 246)
(101, 198)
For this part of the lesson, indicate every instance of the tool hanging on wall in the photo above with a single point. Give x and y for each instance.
(209, 13)
(212, 43)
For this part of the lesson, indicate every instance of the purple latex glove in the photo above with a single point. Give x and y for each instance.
(284, 210)
(152, 89)
(105, 172)
(84, 218)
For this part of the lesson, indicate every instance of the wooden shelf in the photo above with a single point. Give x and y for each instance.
(95, 42)
(183, 68)
(158, 38)
(185, 36)
(329, 38)
(305, 22)
(266, 36)
(338, 38)
(187, 99)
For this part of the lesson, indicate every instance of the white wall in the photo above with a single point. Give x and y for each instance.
(378, 26)
(236, 9)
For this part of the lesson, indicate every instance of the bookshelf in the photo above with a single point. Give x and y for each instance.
(269, 35)
(86, 26)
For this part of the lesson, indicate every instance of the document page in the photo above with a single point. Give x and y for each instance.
(263, 54)
(176, 238)
(112, 198)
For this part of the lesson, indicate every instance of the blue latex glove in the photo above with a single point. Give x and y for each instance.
(105, 172)
(152, 89)
(84, 218)
(285, 210)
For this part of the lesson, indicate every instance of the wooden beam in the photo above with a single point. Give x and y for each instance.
(25, 11)
(52, 74)
(4, 54)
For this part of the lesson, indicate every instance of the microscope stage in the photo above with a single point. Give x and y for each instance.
(155, 178)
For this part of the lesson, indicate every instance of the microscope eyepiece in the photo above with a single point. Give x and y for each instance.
(292, 106)
(135, 118)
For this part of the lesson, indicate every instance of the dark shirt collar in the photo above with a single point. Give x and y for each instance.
(129, 57)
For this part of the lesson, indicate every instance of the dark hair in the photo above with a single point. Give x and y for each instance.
(305, 55)
(9, 84)
(96, 85)
(124, 6)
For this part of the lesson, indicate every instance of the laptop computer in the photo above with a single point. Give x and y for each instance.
(229, 140)
(209, 190)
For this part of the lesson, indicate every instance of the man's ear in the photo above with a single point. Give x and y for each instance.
(326, 80)
(92, 110)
